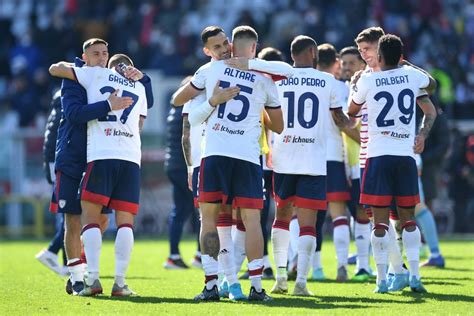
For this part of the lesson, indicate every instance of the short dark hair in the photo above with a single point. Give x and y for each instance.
(93, 41)
(120, 58)
(244, 32)
(370, 35)
(210, 31)
(327, 55)
(300, 43)
(351, 50)
(391, 48)
(271, 54)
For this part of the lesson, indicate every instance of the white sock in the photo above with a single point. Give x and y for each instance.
(92, 240)
(412, 244)
(76, 270)
(342, 238)
(210, 267)
(306, 248)
(266, 262)
(255, 273)
(123, 249)
(280, 242)
(294, 236)
(394, 254)
(317, 261)
(380, 249)
(226, 253)
(239, 248)
(362, 242)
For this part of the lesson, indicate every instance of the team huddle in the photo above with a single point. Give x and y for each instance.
(331, 141)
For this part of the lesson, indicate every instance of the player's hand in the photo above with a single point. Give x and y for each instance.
(419, 144)
(133, 73)
(269, 160)
(190, 181)
(241, 63)
(220, 96)
(119, 103)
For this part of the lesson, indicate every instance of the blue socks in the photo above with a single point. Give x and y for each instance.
(426, 221)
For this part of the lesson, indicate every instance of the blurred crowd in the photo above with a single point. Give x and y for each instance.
(164, 34)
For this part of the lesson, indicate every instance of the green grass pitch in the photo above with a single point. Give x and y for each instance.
(28, 288)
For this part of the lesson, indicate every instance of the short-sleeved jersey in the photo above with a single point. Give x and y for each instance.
(306, 99)
(117, 135)
(234, 128)
(335, 144)
(196, 132)
(390, 98)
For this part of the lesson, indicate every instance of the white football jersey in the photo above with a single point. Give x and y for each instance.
(306, 100)
(117, 135)
(335, 145)
(196, 132)
(233, 129)
(390, 97)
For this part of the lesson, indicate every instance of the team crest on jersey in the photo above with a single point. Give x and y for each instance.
(62, 203)
(216, 127)
(108, 131)
(287, 139)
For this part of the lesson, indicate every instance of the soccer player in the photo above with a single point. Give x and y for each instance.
(337, 186)
(390, 171)
(352, 62)
(230, 169)
(216, 46)
(112, 178)
(299, 158)
(367, 43)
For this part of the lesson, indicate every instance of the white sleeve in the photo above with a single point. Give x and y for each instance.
(144, 109)
(273, 100)
(84, 75)
(271, 67)
(336, 99)
(422, 78)
(186, 108)
(360, 91)
(199, 114)
(198, 81)
(422, 93)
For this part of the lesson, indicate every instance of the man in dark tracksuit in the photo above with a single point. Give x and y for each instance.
(182, 196)
(71, 151)
(49, 256)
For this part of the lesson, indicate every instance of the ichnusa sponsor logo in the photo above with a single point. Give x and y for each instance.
(221, 128)
(117, 132)
(298, 140)
(395, 134)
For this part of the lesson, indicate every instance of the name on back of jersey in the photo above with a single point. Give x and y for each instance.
(309, 82)
(239, 74)
(122, 81)
(380, 82)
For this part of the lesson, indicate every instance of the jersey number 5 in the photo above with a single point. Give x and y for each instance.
(242, 98)
(126, 112)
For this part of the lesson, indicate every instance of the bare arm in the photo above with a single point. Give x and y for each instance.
(267, 122)
(184, 94)
(354, 109)
(353, 133)
(141, 122)
(186, 141)
(62, 70)
(428, 120)
(275, 119)
(341, 120)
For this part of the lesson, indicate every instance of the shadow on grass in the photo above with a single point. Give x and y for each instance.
(441, 282)
(458, 269)
(132, 277)
(287, 301)
(447, 278)
(419, 298)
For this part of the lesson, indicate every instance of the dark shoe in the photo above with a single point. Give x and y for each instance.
(69, 286)
(259, 296)
(208, 295)
(176, 264)
(268, 274)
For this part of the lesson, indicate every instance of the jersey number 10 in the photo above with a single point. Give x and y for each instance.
(301, 109)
